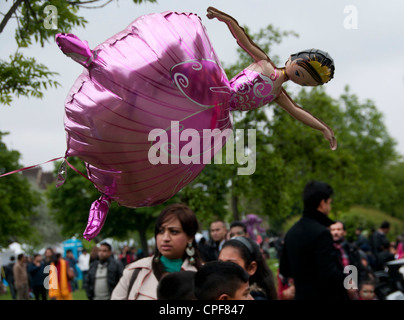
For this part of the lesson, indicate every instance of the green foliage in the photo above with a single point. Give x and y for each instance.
(206, 195)
(360, 217)
(18, 201)
(364, 133)
(23, 76)
(32, 14)
(368, 220)
(363, 170)
(289, 154)
(31, 21)
(70, 204)
(265, 39)
(393, 202)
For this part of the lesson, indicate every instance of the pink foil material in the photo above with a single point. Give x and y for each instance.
(98, 215)
(160, 70)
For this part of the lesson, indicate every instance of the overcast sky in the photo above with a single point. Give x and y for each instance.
(369, 57)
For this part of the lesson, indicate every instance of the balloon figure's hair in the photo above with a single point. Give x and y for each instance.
(317, 63)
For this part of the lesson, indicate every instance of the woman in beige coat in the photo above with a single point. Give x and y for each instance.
(176, 250)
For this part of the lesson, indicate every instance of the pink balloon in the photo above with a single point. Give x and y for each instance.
(159, 72)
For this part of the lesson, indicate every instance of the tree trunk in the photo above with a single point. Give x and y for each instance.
(143, 241)
(234, 207)
(9, 14)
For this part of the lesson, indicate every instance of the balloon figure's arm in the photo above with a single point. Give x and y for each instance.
(243, 40)
(286, 103)
(75, 48)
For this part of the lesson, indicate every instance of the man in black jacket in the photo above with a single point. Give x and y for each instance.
(309, 256)
(379, 243)
(103, 275)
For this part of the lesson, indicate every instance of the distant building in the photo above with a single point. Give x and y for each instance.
(38, 178)
(44, 223)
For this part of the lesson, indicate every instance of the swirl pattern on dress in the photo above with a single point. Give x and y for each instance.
(250, 90)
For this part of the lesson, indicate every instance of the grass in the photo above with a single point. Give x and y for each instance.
(77, 295)
(80, 294)
(273, 264)
(376, 216)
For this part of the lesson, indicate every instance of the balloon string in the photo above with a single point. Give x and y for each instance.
(30, 167)
(79, 172)
(34, 166)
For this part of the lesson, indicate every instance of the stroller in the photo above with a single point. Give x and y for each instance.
(390, 281)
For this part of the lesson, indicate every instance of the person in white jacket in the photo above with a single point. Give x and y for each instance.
(84, 265)
(176, 250)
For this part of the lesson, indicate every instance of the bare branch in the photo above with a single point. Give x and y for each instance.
(96, 7)
(82, 4)
(9, 14)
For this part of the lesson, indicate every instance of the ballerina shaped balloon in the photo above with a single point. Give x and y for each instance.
(157, 78)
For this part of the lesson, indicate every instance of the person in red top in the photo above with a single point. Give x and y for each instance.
(126, 256)
(59, 279)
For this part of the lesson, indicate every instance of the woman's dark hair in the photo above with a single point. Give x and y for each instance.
(189, 224)
(317, 63)
(249, 251)
(55, 258)
(50, 249)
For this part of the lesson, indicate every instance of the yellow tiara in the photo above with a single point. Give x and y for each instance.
(323, 71)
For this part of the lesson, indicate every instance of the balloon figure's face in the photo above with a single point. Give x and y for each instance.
(298, 74)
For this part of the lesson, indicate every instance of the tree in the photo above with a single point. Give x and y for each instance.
(206, 195)
(70, 204)
(289, 154)
(393, 201)
(219, 190)
(364, 133)
(23, 76)
(18, 201)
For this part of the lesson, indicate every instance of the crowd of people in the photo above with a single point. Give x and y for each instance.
(315, 255)
(229, 265)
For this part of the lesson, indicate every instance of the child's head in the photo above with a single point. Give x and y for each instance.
(219, 280)
(367, 290)
(247, 254)
(176, 286)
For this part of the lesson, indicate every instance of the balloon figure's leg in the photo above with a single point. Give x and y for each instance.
(96, 219)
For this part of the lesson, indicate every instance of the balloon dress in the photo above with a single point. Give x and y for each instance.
(160, 73)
